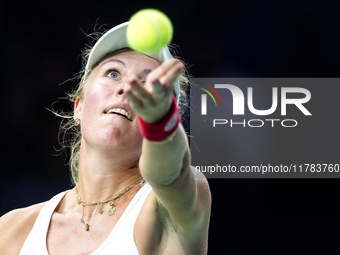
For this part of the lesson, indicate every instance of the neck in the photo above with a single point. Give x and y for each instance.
(103, 176)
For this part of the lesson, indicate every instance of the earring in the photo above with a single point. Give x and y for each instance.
(77, 122)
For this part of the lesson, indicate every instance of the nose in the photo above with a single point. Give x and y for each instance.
(124, 85)
(120, 90)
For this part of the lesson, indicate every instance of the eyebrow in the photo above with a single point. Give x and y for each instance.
(114, 60)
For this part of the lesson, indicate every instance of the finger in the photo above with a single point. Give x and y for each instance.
(134, 102)
(169, 78)
(140, 92)
(159, 91)
(157, 73)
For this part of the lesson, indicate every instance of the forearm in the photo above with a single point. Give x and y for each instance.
(162, 162)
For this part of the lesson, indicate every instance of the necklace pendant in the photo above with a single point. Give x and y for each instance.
(87, 227)
(111, 211)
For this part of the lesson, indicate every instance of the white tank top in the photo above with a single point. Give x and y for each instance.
(121, 239)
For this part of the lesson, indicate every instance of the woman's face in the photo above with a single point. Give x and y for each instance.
(105, 116)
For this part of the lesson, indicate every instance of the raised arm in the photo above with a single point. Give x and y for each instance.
(165, 165)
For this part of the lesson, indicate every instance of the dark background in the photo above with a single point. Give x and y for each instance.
(40, 45)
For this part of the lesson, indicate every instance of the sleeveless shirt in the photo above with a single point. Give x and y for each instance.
(121, 239)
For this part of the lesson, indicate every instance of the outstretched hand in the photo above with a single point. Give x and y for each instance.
(153, 100)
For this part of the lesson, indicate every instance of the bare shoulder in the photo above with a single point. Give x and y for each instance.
(15, 227)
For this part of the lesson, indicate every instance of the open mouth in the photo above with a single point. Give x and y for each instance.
(120, 112)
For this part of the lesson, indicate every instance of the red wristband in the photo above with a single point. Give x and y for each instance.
(163, 128)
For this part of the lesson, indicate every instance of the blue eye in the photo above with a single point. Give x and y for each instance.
(112, 74)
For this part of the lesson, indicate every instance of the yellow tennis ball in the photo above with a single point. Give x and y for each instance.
(149, 30)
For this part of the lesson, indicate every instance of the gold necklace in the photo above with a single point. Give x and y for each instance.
(111, 211)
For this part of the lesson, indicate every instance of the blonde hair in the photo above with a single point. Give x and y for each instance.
(70, 134)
